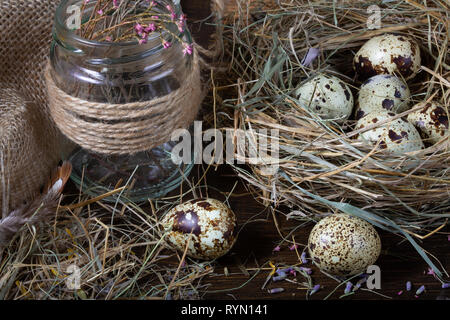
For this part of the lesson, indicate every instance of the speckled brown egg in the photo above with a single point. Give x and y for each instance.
(382, 92)
(431, 121)
(343, 245)
(327, 96)
(395, 136)
(388, 54)
(212, 224)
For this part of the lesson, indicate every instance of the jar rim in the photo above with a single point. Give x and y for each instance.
(60, 25)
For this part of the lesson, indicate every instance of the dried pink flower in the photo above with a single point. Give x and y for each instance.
(139, 28)
(180, 26)
(151, 27)
(187, 49)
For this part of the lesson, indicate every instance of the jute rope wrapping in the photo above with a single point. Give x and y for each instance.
(30, 138)
(130, 127)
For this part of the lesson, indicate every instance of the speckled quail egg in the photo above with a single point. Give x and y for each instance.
(327, 96)
(382, 92)
(388, 54)
(431, 121)
(396, 136)
(212, 224)
(343, 245)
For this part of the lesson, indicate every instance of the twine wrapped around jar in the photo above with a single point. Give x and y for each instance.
(129, 127)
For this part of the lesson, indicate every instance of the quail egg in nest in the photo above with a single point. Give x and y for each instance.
(396, 136)
(327, 96)
(388, 54)
(382, 92)
(431, 121)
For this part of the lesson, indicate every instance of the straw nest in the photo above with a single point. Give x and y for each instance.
(322, 166)
(99, 250)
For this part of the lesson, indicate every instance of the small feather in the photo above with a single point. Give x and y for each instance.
(63, 172)
(41, 208)
(57, 186)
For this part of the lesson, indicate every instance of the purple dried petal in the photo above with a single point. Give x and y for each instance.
(307, 270)
(276, 290)
(315, 289)
(276, 249)
(408, 286)
(279, 278)
(348, 287)
(359, 283)
(283, 271)
(311, 55)
(303, 257)
(446, 285)
(293, 247)
(420, 290)
(400, 292)
(280, 272)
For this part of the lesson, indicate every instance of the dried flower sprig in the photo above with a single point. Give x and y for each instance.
(126, 20)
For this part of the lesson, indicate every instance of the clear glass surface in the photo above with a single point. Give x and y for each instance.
(119, 73)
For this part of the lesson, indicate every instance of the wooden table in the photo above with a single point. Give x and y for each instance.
(399, 262)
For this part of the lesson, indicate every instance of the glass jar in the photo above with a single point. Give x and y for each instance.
(119, 73)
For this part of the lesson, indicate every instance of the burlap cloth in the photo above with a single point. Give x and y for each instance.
(30, 142)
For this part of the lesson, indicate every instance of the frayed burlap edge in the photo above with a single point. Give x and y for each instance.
(25, 158)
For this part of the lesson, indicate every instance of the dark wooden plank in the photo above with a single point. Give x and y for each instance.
(399, 262)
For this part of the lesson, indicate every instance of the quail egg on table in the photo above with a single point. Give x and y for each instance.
(388, 54)
(327, 96)
(212, 224)
(382, 92)
(396, 136)
(431, 121)
(343, 245)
